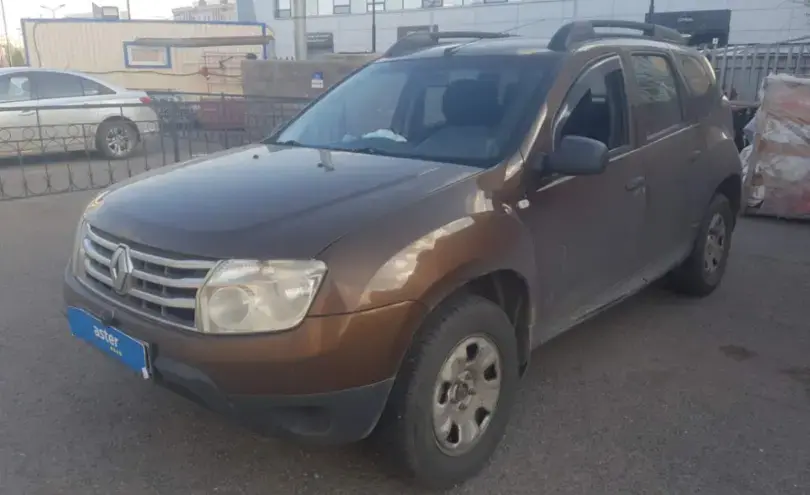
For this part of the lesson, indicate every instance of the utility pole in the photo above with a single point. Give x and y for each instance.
(5, 33)
(299, 13)
(373, 25)
(129, 11)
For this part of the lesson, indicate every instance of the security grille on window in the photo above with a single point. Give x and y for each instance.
(283, 9)
(341, 7)
(375, 5)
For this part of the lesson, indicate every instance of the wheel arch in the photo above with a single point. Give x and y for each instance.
(508, 287)
(732, 188)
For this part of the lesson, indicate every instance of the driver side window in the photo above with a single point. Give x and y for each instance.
(597, 107)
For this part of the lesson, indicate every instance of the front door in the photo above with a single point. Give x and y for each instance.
(587, 229)
(19, 131)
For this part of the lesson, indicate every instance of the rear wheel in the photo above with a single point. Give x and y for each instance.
(450, 405)
(117, 139)
(701, 273)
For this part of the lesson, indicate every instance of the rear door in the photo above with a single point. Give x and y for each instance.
(670, 147)
(587, 229)
(704, 108)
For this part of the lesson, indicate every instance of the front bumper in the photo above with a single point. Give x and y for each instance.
(327, 381)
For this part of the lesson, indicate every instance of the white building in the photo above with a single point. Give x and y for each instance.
(345, 25)
(214, 10)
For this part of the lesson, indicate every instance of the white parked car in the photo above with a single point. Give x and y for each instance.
(93, 114)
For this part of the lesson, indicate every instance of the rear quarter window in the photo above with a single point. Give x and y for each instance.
(92, 88)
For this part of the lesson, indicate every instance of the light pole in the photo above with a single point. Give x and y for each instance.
(5, 32)
(53, 10)
(373, 25)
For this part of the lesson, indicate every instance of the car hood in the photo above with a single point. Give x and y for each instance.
(261, 202)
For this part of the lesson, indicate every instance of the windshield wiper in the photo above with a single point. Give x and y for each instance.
(289, 142)
(368, 150)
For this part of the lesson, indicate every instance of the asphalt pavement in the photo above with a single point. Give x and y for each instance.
(661, 395)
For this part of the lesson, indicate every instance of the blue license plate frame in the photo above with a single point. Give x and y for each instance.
(133, 353)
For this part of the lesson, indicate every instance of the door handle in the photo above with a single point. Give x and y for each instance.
(636, 183)
(694, 155)
(26, 113)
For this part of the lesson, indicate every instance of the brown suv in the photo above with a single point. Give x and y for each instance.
(387, 261)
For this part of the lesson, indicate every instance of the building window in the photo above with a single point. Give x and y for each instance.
(429, 4)
(341, 7)
(378, 5)
(283, 9)
(139, 56)
(495, 1)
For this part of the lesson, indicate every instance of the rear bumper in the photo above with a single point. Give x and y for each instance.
(314, 383)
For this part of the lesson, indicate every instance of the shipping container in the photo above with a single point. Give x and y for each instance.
(108, 49)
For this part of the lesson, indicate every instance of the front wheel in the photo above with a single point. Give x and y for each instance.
(701, 273)
(450, 405)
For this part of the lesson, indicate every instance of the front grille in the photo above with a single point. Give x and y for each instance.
(163, 286)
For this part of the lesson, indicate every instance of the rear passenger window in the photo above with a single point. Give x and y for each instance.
(56, 85)
(598, 108)
(658, 92)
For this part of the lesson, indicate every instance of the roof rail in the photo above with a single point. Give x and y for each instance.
(424, 39)
(580, 31)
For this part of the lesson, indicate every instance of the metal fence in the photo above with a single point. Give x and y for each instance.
(740, 69)
(56, 149)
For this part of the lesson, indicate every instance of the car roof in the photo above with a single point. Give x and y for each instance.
(12, 70)
(573, 37)
(513, 45)
(537, 46)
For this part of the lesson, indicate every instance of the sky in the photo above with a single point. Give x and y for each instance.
(18, 9)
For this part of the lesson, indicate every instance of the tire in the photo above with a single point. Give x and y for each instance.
(465, 325)
(117, 139)
(701, 273)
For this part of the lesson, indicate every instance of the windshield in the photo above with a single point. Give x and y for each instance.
(458, 109)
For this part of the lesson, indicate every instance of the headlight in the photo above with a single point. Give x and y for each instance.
(77, 255)
(242, 296)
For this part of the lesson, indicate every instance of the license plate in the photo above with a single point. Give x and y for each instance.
(132, 352)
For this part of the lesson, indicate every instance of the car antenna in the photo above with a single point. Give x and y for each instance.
(450, 50)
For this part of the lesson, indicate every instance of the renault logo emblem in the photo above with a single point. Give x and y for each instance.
(121, 269)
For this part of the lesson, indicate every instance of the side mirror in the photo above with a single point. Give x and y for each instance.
(577, 155)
